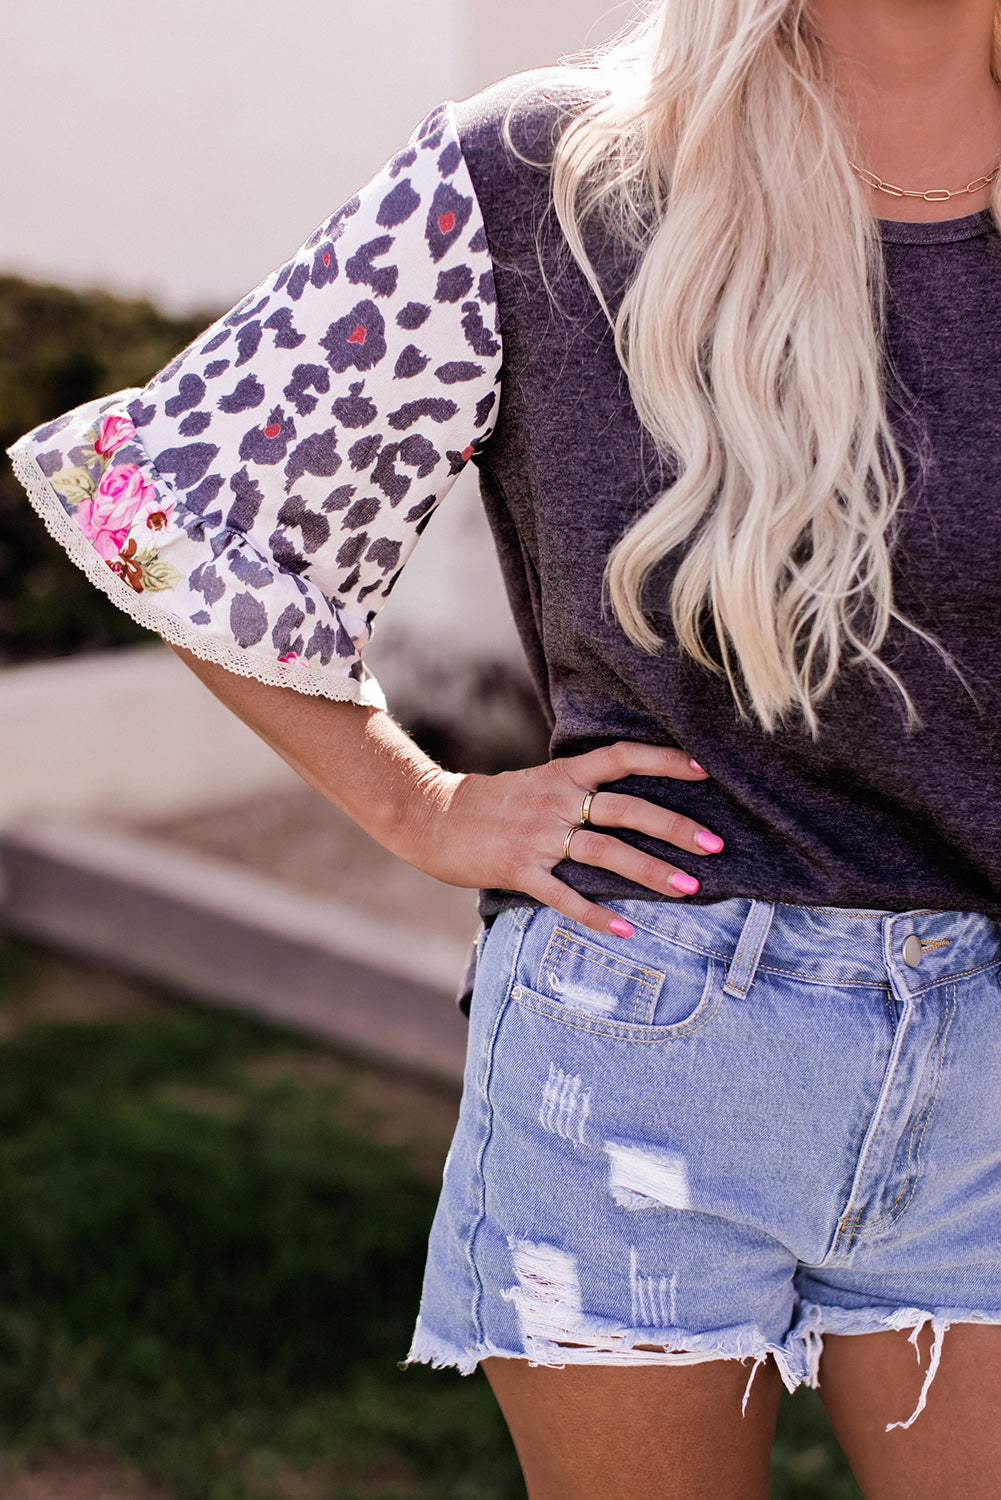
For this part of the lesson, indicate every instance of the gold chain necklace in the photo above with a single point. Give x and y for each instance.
(931, 195)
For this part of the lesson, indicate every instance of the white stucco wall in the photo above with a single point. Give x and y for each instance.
(504, 36)
(182, 149)
(123, 736)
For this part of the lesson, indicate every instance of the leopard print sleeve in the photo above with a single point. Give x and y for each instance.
(256, 502)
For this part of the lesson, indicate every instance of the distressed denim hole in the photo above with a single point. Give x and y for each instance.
(589, 978)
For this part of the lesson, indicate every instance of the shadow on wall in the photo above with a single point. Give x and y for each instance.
(447, 655)
(473, 715)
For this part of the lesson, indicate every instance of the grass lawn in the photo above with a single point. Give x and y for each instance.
(210, 1263)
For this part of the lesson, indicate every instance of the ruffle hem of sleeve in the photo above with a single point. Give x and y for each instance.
(124, 525)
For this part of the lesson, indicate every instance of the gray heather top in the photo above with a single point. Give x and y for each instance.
(871, 814)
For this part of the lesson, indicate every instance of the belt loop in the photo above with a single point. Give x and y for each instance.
(740, 974)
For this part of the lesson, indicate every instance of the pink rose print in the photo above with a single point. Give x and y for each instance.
(106, 516)
(112, 433)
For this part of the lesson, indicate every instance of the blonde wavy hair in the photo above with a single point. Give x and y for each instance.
(751, 338)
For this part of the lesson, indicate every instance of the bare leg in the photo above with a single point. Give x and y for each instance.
(639, 1432)
(953, 1450)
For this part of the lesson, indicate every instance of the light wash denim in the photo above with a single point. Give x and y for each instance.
(746, 1126)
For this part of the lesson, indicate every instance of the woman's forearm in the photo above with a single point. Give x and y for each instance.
(357, 757)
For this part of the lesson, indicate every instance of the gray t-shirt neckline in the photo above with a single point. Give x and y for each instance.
(940, 232)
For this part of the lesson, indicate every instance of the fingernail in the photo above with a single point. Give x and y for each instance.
(710, 842)
(696, 767)
(621, 928)
(686, 884)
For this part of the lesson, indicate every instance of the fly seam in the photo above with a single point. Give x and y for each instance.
(889, 1215)
(891, 1013)
(849, 1222)
(941, 1038)
(924, 1117)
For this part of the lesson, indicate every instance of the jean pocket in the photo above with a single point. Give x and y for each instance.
(584, 981)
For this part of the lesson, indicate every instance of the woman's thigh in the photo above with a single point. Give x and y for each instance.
(645, 1432)
(953, 1449)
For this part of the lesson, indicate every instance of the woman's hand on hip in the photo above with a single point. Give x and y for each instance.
(511, 830)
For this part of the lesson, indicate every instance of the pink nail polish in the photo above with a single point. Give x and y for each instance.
(686, 884)
(710, 842)
(621, 928)
(696, 767)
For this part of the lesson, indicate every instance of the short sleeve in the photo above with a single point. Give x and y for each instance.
(256, 502)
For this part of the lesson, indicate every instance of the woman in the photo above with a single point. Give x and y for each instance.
(731, 1111)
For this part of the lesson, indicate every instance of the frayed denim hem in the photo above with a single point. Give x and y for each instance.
(798, 1362)
(428, 1349)
(616, 1346)
(817, 1321)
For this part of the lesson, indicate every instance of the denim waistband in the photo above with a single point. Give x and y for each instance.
(913, 951)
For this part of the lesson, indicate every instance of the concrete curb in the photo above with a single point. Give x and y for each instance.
(240, 939)
(130, 730)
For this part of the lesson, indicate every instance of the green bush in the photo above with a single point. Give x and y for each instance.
(59, 348)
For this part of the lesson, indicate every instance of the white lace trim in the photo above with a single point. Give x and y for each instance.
(298, 675)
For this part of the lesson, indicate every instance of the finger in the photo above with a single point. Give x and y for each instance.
(570, 903)
(615, 810)
(629, 758)
(588, 847)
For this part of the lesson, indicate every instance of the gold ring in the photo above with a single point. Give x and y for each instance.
(586, 807)
(566, 841)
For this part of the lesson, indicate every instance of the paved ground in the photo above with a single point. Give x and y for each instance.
(80, 1475)
(257, 904)
(298, 837)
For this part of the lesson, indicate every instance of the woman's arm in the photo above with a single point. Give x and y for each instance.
(505, 831)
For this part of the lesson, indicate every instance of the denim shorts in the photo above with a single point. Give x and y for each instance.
(746, 1126)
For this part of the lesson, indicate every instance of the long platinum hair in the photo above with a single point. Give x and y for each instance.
(751, 336)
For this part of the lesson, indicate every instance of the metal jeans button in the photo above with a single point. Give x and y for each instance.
(912, 951)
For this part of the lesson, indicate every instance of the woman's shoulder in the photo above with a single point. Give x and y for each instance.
(527, 111)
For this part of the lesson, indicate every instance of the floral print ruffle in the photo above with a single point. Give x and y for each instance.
(117, 508)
